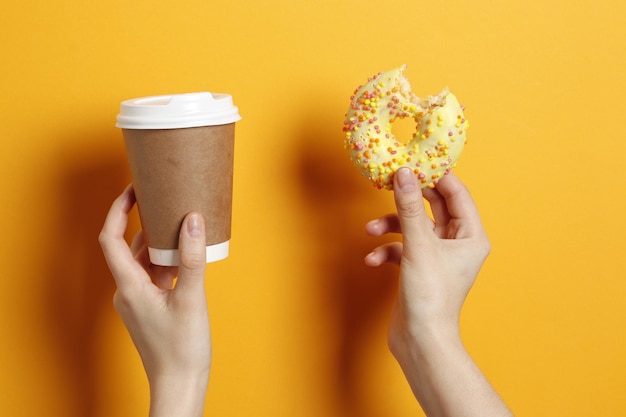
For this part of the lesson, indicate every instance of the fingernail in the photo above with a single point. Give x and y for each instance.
(193, 225)
(372, 223)
(371, 259)
(405, 179)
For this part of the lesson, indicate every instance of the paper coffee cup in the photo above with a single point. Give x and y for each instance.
(180, 151)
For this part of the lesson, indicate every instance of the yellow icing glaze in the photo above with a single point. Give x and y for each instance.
(433, 150)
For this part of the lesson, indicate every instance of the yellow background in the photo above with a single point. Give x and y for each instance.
(299, 323)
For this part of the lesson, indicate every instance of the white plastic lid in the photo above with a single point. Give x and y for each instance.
(177, 111)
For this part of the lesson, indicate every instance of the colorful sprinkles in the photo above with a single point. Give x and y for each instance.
(434, 147)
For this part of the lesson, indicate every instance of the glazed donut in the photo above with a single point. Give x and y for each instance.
(432, 151)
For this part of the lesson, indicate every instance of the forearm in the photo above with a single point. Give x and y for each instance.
(444, 378)
(178, 396)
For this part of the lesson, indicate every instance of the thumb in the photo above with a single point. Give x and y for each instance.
(414, 220)
(192, 254)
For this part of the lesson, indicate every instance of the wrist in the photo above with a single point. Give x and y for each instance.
(429, 335)
(442, 375)
(178, 395)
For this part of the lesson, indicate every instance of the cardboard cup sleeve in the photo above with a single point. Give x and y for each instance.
(175, 172)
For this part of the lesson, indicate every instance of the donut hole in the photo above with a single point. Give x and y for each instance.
(404, 129)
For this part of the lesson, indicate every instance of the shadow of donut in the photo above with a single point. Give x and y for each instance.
(355, 297)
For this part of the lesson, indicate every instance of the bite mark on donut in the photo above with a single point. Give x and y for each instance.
(434, 147)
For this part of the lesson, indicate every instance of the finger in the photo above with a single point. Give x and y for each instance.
(138, 243)
(117, 218)
(389, 253)
(163, 276)
(139, 249)
(413, 219)
(192, 253)
(460, 205)
(116, 251)
(386, 224)
(438, 208)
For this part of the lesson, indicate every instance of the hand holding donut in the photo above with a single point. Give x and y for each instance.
(439, 261)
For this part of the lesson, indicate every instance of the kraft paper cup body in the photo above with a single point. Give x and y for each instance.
(180, 150)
